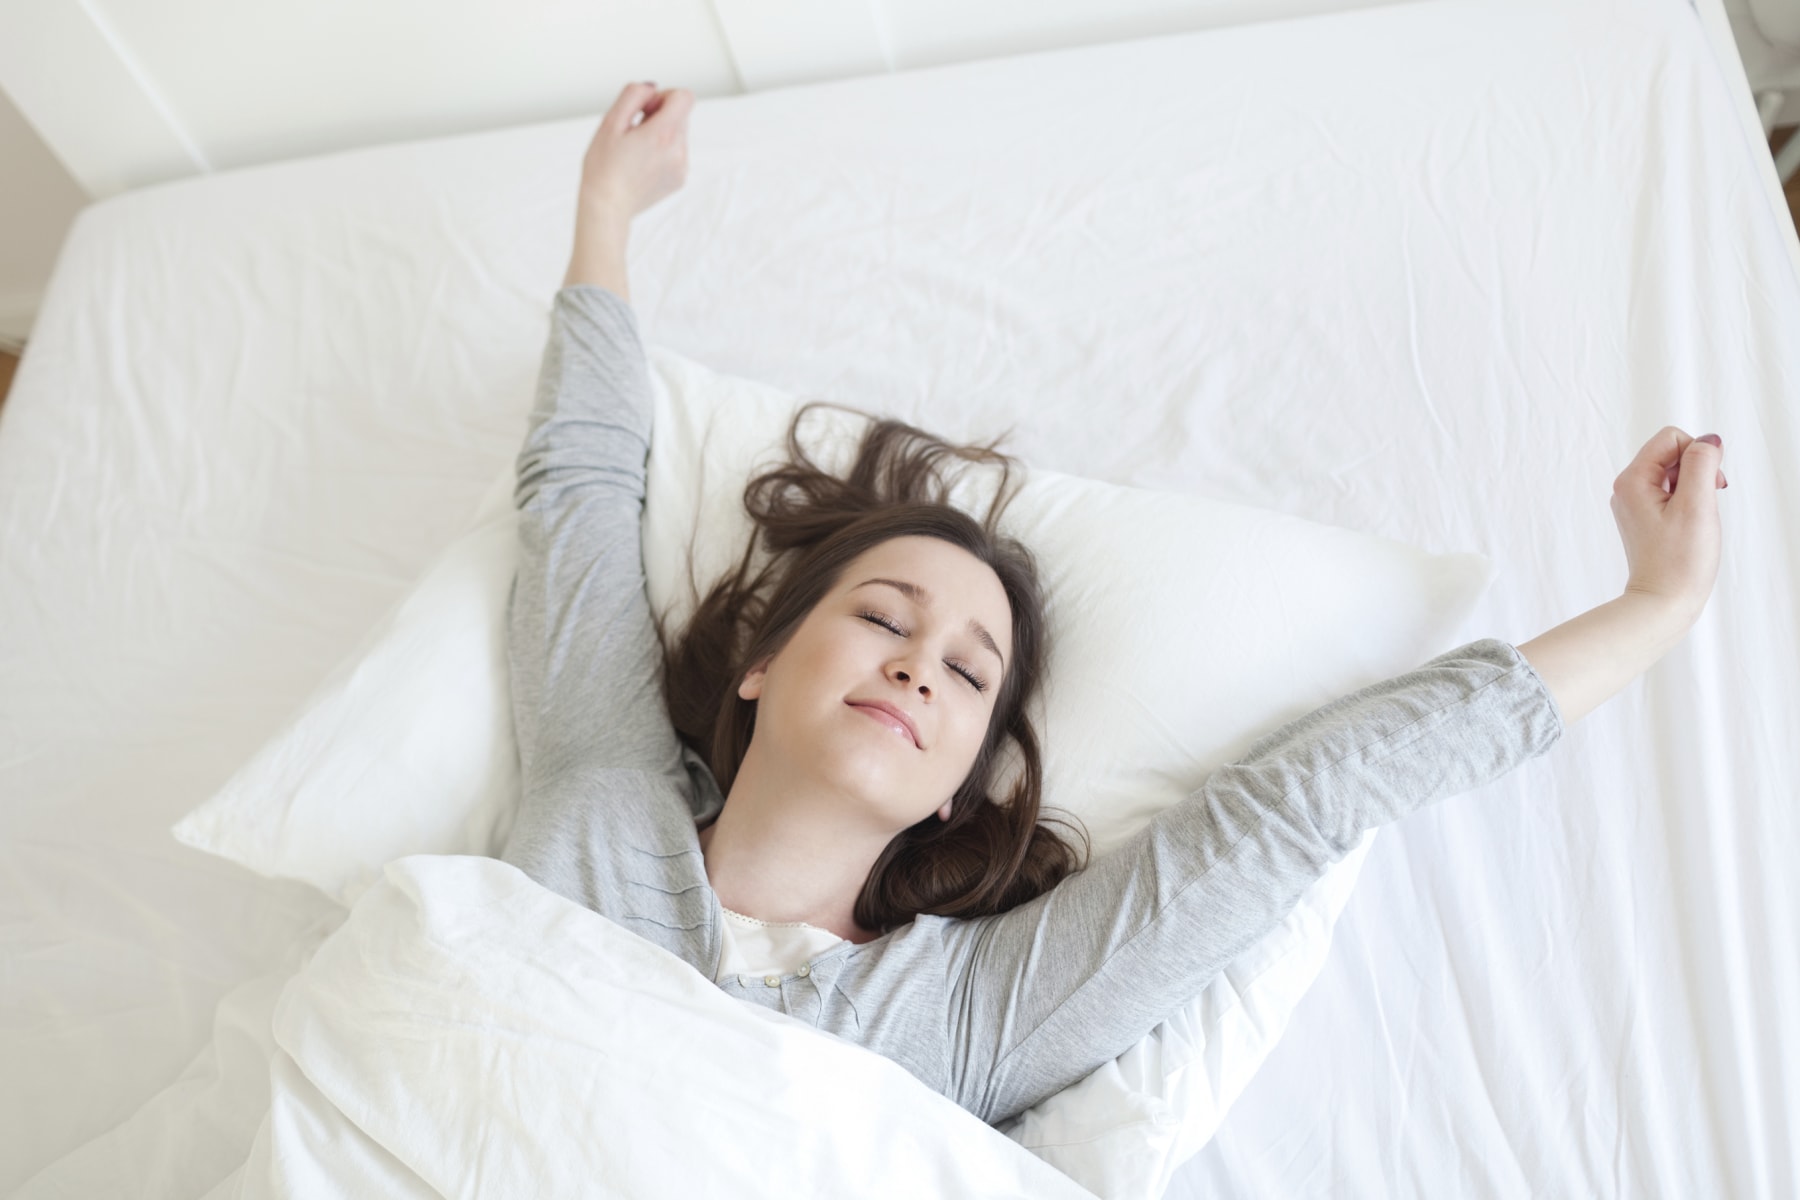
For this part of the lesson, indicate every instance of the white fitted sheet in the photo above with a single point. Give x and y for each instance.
(1434, 271)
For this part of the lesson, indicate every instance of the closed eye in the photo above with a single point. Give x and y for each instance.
(976, 681)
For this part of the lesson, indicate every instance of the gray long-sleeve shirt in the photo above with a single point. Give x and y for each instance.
(997, 1013)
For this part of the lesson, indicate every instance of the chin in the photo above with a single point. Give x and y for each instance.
(872, 791)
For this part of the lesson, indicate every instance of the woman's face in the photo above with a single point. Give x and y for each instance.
(913, 623)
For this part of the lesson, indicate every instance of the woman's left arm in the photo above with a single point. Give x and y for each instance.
(1043, 994)
(1666, 503)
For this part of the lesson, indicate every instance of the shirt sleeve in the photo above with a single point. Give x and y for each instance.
(1045, 993)
(586, 664)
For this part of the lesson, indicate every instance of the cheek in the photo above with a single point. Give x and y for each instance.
(811, 656)
(969, 736)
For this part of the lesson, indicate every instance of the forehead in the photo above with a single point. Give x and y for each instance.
(960, 586)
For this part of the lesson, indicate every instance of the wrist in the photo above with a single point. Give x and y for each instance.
(1669, 616)
(599, 216)
(1586, 659)
(602, 263)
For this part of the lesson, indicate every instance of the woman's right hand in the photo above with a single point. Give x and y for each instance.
(631, 163)
(1672, 537)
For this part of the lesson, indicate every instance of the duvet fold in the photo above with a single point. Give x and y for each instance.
(467, 1032)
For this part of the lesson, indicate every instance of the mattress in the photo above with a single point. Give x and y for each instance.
(1432, 271)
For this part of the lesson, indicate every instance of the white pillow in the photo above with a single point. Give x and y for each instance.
(1222, 620)
(406, 747)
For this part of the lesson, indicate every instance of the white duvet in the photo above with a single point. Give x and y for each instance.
(467, 1032)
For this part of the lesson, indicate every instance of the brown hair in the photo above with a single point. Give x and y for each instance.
(989, 856)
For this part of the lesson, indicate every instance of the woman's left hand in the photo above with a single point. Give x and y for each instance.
(633, 163)
(1672, 538)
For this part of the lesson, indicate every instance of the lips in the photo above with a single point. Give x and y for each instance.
(889, 710)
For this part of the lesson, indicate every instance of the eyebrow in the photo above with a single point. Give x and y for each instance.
(914, 592)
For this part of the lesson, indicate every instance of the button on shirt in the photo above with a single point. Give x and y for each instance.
(767, 950)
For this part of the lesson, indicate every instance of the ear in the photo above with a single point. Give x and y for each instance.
(944, 812)
(751, 686)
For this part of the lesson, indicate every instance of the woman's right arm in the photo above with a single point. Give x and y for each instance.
(637, 157)
(586, 664)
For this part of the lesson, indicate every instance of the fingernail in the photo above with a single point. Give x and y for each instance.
(1714, 438)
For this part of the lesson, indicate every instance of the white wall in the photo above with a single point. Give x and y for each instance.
(133, 91)
(1770, 66)
(38, 200)
(126, 93)
(107, 95)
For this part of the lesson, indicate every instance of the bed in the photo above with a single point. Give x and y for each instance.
(1432, 271)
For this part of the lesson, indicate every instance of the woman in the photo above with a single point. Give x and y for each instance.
(794, 798)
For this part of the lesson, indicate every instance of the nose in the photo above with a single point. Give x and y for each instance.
(903, 676)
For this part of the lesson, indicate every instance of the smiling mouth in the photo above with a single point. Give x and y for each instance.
(889, 719)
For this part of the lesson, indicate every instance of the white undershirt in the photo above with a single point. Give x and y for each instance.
(757, 949)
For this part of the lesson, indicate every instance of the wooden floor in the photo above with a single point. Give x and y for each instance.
(8, 363)
(1792, 190)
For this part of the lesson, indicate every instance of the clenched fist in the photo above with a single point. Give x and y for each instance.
(639, 153)
(1672, 537)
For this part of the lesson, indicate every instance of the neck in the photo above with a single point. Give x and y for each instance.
(779, 852)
